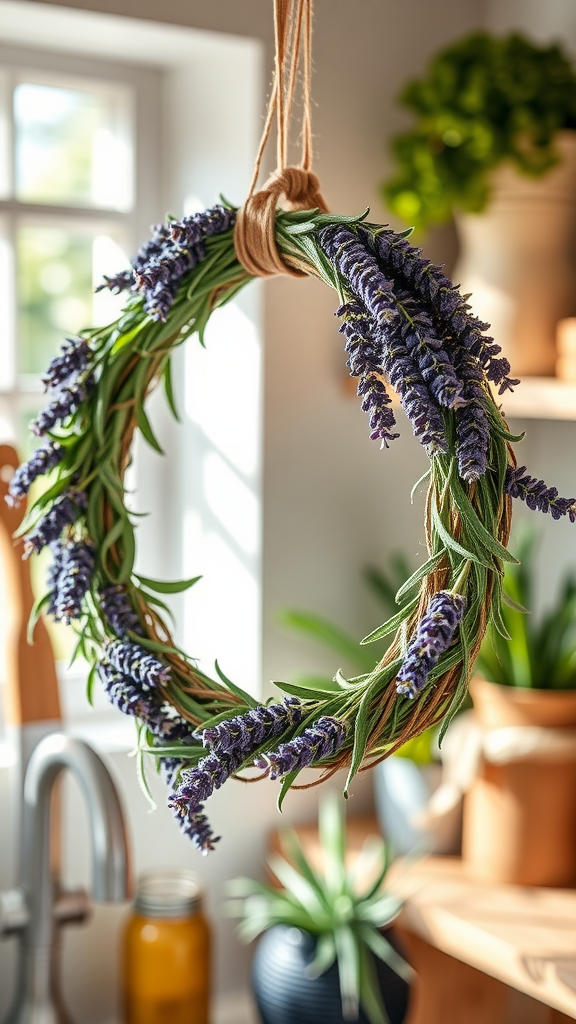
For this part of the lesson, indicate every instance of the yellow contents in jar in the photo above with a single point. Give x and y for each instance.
(166, 961)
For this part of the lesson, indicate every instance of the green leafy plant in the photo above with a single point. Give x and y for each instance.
(540, 654)
(482, 100)
(384, 585)
(344, 908)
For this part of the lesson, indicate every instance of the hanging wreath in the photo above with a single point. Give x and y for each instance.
(406, 326)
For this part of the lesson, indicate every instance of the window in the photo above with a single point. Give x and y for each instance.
(69, 186)
(168, 90)
(67, 198)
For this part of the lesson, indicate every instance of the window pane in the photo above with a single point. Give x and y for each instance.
(70, 147)
(54, 273)
(57, 271)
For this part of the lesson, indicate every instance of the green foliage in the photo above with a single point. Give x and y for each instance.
(343, 907)
(482, 100)
(537, 655)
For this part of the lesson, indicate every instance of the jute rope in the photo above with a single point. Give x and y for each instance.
(254, 234)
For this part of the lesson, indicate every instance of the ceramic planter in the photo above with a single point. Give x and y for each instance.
(520, 816)
(518, 260)
(285, 995)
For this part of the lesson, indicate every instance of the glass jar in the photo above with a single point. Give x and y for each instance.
(166, 952)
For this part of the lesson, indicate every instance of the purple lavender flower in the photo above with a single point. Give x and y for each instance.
(75, 355)
(430, 285)
(123, 281)
(174, 249)
(63, 512)
(170, 767)
(67, 401)
(391, 332)
(196, 826)
(538, 497)
(433, 636)
(320, 740)
(472, 426)
(137, 663)
(365, 360)
(387, 307)
(42, 461)
(191, 230)
(424, 415)
(118, 611)
(242, 734)
(130, 698)
(57, 552)
(196, 785)
(70, 579)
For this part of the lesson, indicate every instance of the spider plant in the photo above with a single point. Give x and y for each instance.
(343, 907)
(540, 653)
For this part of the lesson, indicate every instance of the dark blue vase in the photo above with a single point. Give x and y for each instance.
(285, 995)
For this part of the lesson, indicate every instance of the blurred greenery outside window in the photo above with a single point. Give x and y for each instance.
(67, 201)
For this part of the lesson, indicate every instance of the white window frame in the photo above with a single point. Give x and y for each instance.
(129, 89)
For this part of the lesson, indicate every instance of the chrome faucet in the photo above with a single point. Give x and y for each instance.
(39, 906)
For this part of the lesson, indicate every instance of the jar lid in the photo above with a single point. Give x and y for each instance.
(168, 893)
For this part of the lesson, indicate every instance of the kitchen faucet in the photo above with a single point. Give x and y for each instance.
(39, 906)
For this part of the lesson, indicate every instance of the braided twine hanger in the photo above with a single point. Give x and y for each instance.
(254, 234)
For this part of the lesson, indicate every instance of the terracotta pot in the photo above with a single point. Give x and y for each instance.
(520, 817)
(518, 259)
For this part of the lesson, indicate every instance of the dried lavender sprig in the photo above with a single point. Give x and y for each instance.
(430, 353)
(42, 461)
(67, 401)
(160, 279)
(192, 229)
(63, 512)
(75, 356)
(396, 362)
(537, 495)
(147, 705)
(320, 740)
(242, 734)
(196, 826)
(472, 425)
(174, 249)
(433, 636)
(75, 561)
(403, 374)
(428, 282)
(196, 785)
(123, 281)
(137, 663)
(378, 295)
(364, 361)
(118, 611)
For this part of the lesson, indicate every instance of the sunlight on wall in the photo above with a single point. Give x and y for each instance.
(222, 524)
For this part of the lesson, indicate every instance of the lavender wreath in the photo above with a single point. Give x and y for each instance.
(406, 325)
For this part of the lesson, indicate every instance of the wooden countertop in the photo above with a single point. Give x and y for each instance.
(524, 937)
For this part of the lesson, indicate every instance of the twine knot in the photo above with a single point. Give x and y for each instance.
(254, 233)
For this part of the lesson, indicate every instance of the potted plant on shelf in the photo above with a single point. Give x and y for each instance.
(520, 813)
(405, 782)
(494, 144)
(322, 958)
